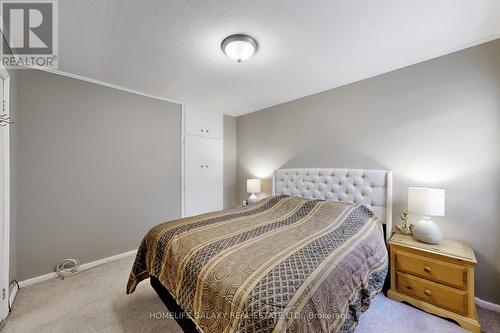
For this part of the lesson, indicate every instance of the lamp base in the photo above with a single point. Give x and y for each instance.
(427, 231)
(252, 199)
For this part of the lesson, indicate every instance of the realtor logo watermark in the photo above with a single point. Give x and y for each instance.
(30, 30)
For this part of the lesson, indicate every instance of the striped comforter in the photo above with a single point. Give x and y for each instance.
(284, 264)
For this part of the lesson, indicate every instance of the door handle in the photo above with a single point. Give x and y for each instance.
(5, 120)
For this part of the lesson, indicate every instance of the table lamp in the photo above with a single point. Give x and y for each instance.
(253, 186)
(428, 202)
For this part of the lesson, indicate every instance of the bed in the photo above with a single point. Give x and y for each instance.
(309, 258)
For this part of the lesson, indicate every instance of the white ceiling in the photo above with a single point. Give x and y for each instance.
(171, 49)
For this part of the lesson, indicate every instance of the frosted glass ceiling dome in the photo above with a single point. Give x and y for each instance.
(239, 47)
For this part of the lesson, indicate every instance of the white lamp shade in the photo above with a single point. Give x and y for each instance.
(426, 201)
(253, 185)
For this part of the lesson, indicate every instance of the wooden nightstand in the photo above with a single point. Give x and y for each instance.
(435, 278)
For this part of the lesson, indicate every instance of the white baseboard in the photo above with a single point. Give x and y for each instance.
(83, 267)
(37, 279)
(487, 305)
(12, 294)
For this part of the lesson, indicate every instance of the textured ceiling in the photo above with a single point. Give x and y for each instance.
(171, 49)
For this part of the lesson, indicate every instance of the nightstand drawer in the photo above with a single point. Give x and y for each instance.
(445, 297)
(432, 269)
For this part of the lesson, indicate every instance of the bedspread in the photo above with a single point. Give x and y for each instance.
(284, 264)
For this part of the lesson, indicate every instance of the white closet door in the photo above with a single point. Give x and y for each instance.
(4, 197)
(3, 269)
(213, 175)
(203, 175)
(204, 123)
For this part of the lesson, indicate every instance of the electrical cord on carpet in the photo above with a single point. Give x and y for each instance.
(67, 267)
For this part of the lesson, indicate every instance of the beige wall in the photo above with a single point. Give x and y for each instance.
(433, 124)
(93, 168)
(97, 167)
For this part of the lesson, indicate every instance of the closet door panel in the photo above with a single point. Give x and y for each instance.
(214, 175)
(198, 122)
(195, 175)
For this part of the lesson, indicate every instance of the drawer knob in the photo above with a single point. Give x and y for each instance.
(427, 292)
(427, 269)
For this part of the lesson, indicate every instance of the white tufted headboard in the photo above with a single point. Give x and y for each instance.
(372, 188)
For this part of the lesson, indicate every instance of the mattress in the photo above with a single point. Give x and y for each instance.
(285, 264)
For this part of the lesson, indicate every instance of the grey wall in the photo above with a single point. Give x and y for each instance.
(229, 162)
(97, 167)
(434, 124)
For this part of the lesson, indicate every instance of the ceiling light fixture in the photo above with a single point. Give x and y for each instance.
(239, 47)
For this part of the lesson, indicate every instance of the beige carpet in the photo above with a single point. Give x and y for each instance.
(95, 301)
